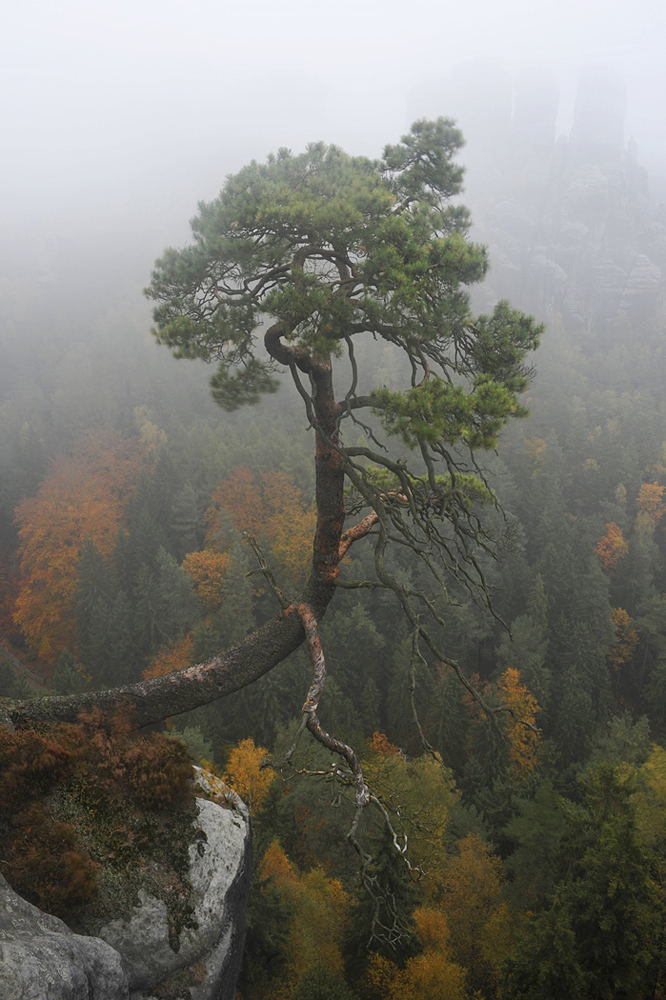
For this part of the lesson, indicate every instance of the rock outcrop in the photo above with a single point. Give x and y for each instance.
(207, 962)
(42, 959)
(568, 221)
(573, 234)
(132, 957)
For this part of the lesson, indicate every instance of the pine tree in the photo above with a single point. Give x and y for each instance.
(331, 252)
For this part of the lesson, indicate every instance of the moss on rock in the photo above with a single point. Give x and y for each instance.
(90, 813)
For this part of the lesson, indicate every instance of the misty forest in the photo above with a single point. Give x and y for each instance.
(371, 531)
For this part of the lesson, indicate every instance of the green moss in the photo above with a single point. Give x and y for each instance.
(90, 814)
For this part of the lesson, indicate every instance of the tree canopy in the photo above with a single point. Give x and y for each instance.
(327, 247)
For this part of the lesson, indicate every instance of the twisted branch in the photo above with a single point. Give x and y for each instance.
(312, 702)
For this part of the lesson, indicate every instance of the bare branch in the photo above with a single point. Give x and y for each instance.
(266, 570)
(418, 655)
(359, 530)
(312, 702)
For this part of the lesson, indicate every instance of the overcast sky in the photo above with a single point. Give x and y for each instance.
(105, 100)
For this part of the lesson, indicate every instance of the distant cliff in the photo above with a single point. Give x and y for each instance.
(567, 219)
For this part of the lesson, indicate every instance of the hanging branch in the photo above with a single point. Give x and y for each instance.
(418, 655)
(312, 702)
(266, 570)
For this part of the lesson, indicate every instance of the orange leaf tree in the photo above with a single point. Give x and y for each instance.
(208, 570)
(271, 507)
(83, 496)
(610, 549)
(173, 656)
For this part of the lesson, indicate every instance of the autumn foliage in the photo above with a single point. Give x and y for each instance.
(83, 496)
(421, 794)
(380, 745)
(432, 975)
(318, 906)
(650, 507)
(175, 656)
(610, 549)
(272, 508)
(522, 735)
(626, 639)
(8, 592)
(521, 723)
(112, 780)
(208, 570)
(536, 448)
(245, 774)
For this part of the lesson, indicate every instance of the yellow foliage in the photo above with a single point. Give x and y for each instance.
(152, 436)
(473, 885)
(523, 742)
(650, 506)
(428, 976)
(499, 937)
(536, 448)
(319, 908)
(208, 569)
(651, 803)
(381, 978)
(421, 794)
(431, 976)
(626, 639)
(244, 772)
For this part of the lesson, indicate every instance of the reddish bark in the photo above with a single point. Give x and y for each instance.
(312, 702)
(357, 531)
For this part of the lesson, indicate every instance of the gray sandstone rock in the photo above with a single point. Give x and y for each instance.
(588, 186)
(42, 959)
(208, 960)
(642, 284)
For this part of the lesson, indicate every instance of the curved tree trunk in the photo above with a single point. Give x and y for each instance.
(155, 700)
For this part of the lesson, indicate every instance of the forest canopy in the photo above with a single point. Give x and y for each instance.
(529, 840)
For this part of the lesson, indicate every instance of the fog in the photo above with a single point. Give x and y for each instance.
(111, 108)
(117, 117)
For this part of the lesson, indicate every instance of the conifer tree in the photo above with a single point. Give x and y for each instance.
(303, 264)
